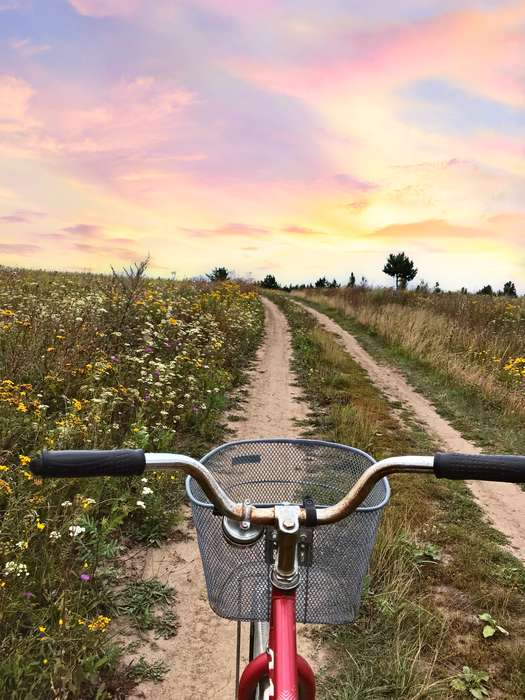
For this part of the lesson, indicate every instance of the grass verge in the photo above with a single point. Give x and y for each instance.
(476, 418)
(436, 567)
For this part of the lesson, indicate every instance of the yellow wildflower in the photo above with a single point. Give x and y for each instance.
(24, 459)
(39, 525)
(4, 486)
(21, 408)
(42, 629)
(3, 468)
(99, 623)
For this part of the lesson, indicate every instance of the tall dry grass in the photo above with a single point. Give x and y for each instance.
(476, 339)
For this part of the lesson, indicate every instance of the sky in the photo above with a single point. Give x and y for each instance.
(295, 137)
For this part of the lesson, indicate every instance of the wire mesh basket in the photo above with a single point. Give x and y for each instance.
(267, 472)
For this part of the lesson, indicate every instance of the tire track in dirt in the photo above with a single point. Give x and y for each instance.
(201, 657)
(504, 504)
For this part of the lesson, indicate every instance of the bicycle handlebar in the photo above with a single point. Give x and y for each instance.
(88, 463)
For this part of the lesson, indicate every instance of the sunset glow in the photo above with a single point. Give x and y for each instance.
(297, 138)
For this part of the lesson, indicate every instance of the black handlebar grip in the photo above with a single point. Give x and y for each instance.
(452, 465)
(81, 463)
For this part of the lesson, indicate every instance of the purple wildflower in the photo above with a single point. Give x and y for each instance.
(85, 577)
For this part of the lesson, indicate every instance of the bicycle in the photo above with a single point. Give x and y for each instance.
(278, 553)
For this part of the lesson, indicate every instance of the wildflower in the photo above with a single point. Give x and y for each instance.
(60, 622)
(39, 525)
(45, 662)
(23, 544)
(66, 504)
(24, 460)
(77, 405)
(146, 491)
(99, 623)
(28, 594)
(4, 486)
(54, 535)
(141, 504)
(75, 530)
(2, 583)
(85, 577)
(13, 567)
(42, 629)
(144, 480)
(27, 475)
(87, 503)
(3, 468)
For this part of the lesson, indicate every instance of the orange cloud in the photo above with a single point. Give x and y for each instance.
(429, 229)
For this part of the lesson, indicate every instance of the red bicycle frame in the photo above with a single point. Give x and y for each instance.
(289, 674)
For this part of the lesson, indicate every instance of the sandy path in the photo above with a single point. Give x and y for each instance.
(504, 504)
(203, 651)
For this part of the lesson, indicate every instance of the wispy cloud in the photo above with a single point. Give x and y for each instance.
(22, 216)
(19, 248)
(106, 8)
(26, 47)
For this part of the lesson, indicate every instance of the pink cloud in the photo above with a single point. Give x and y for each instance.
(84, 230)
(106, 8)
(15, 95)
(448, 46)
(18, 248)
(233, 229)
(22, 216)
(26, 47)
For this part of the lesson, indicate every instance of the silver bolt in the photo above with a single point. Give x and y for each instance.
(245, 525)
(288, 523)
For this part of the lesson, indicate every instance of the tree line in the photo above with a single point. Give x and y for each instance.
(398, 265)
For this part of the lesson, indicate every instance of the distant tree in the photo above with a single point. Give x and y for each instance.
(269, 282)
(334, 284)
(351, 280)
(487, 289)
(321, 283)
(423, 287)
(218, 274)
(509, 289)
(399, 266)
(363, 283)
(463, 290)
(437, 288)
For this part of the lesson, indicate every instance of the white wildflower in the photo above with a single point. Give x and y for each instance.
(54, 535)
(141, 504)
(66, 504)
(146, 491)
(13, 567)
(75, 530)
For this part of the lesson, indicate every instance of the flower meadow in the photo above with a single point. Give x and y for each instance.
(92, 361)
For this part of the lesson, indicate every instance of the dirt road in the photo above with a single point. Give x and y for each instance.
(201, 656)
(504, 504)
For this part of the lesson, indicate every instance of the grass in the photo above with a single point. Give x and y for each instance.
(478, 419)
(419, 622)
(93, 361)
(477, 340)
